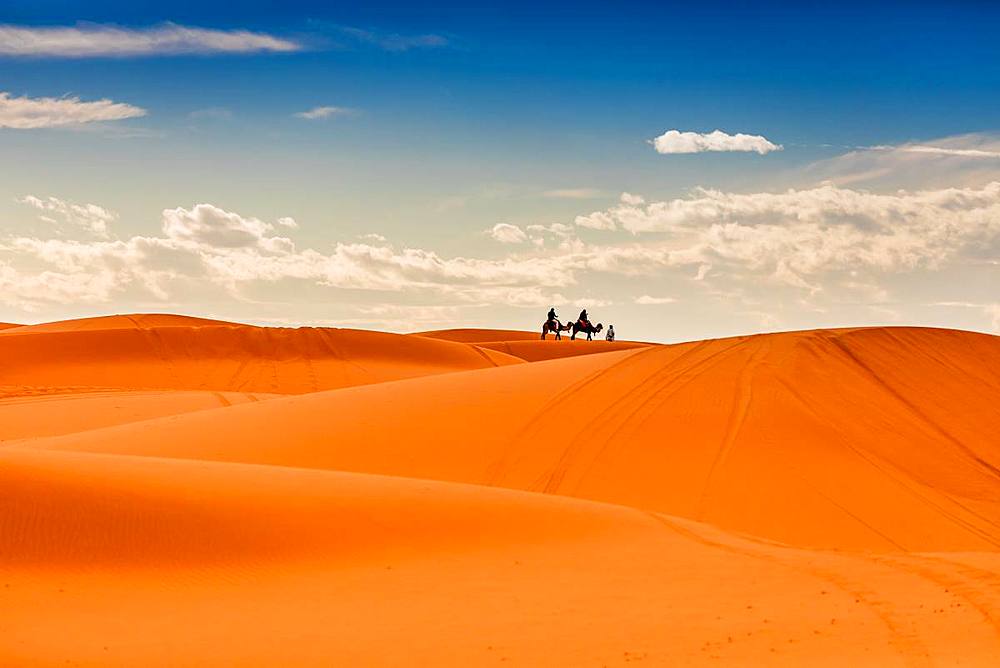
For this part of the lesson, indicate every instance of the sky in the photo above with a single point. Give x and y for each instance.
(681, 172)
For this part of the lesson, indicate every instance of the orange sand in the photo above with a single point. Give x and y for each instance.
(175, 491)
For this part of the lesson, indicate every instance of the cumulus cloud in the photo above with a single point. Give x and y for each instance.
(319, 113)
(90, 217)
(208, 245)
(25, 113)
(675, 141)
(89, 40)
(803, 250)
(794, 235)
(211, 226)
(609, 220)
(506, 233)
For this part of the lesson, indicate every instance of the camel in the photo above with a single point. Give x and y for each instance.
(556, 327)
(586, 328)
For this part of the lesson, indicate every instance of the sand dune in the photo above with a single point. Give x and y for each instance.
(479, 335)
(809, 498)
(7, 325)
(158, 562)
(34, 416)
(537, 350)
(170, 352)
(136, 321)
(748, 434)
(528, 346)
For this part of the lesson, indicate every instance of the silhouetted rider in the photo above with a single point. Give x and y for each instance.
(552, 314)
(584, 319)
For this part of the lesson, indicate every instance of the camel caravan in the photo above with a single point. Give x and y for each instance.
(582, 325)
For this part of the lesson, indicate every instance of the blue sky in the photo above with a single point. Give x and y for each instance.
(450, 120)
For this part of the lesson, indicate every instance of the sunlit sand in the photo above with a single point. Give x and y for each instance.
(178, 491)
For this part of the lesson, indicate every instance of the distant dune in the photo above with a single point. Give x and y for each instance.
(172, 352)
(480, 335)
(179, 491)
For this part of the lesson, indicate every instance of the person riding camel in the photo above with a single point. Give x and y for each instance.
(584, 319)
(552, 315)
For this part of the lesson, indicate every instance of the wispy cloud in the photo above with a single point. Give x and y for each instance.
(320, 113)
(394, 41)
(965, 160)
(675, 141)
(91, 40)
(943, 150)
(25, 113)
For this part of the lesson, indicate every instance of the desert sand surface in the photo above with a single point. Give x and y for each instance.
(478, 335)
(177, 491)
(178, 353)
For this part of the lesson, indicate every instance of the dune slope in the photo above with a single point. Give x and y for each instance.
(34, 416)
(155, 562)
(178, 491)
(871, 439)
(479, 335)
(537, 350)
(173, 352)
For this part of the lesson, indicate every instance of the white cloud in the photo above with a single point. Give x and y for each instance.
(942, 150)
(209, 225)
(319, 113)
(288, 222)
(675, 141)
(962, 160)
(605, 220)
(208, 246)
(792, 236)
(756, 253)
(89, 40)
(646, 300)
(28, 290)
(24, 113)
(508, 234)
(90, 217)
